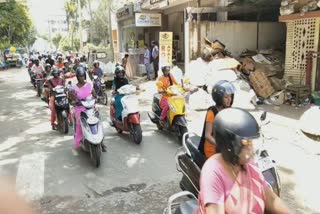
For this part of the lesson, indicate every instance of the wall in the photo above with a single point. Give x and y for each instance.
(175, 25)
(238, 36)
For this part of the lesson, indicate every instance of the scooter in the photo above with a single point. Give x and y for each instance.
(62, 107)
(130, 115)
(100, 89)
(92, 129)
(175, 121)
(189, 162)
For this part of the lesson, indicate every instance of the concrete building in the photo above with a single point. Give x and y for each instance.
(57, 24)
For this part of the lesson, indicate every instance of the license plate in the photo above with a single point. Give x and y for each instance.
(265, 164)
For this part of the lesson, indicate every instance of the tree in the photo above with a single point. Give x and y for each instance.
(56, 40)
(15, 26)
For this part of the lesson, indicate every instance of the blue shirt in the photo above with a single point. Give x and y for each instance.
(147, 57)
(155, 51)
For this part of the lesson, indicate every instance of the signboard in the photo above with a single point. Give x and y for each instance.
(125, 12)
(165, 48)
(148, 19)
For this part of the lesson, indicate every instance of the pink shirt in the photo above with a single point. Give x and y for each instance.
(244, 196)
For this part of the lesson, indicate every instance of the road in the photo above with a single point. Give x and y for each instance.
(132, 178)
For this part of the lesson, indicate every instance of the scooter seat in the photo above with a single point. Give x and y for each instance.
(193, 144)
(187, 207)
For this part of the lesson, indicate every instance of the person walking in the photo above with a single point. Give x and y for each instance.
(155, 57)
(147, 60)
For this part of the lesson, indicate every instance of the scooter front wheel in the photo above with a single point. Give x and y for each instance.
(95, 153)
(136, 133)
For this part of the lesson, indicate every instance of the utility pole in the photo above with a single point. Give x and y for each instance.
(110, 30)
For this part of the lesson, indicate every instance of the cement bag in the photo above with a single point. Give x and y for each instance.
(244, 96)
(127, 89)
(200, 100)
(216, 76)
(309, 121)
(197, 72)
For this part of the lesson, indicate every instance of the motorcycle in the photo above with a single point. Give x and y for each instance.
(189, 161)
(92, 129)
(100, 89)
(175, 120)
(130, 115)
(62, 107)
(187, 206)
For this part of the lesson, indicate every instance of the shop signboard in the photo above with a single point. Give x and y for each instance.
(125, 12)
(148, 19)
(165, 48)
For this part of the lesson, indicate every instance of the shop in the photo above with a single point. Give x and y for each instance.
(135, 29)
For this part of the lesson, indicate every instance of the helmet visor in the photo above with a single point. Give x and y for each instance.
(228, 88)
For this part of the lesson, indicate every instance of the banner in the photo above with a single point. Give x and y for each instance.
(165, 48)
(148, 19)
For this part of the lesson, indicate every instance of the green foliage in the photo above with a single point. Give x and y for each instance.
(65, 44)
(15, 26)
(56, 40)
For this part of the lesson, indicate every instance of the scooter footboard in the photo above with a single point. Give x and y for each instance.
(271, 177)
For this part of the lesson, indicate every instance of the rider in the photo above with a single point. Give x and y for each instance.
(52, 83)
(230, 181)
(60, 64)
(50, 60)
(97, 70)
(167, 80)
(47, 70)
(77, 64)
(223, 95)
(81, 90)
(119, 81)
(37, 67)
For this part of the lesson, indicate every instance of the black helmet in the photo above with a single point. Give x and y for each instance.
(220, 89)
(55, 71)
(165, 67)
(80, 72)
(231, 126)
(95, 63)
(119, 70)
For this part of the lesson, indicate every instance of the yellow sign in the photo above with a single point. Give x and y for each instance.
(165, 48)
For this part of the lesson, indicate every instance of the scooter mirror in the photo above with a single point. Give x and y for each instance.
(263, 116)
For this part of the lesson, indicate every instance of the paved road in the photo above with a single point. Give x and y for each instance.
(132, 178)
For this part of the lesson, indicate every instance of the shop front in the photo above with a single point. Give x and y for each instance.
(135, 29)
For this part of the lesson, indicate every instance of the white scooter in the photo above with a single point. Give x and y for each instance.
(130, 117)
(92, 130)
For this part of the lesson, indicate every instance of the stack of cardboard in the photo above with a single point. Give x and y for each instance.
(261, 84)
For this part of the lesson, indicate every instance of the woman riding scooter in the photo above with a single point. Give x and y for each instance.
(52, 83)
(81, 90)
(230, 182)
(167, 80)
(119, 81)
(223, 95)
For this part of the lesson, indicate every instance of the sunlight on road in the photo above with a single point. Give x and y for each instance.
(11, 142)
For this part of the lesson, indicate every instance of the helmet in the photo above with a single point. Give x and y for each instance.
(80, 72)
(231, 126)
(47, 65)
(220, 89)
(65, 61)
(165, 67)
(55, 71)
(95, 63)
(119, 71)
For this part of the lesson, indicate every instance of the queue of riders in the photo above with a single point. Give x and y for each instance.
(230, 181)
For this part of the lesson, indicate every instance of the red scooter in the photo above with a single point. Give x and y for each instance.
(130, 117)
